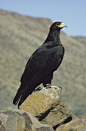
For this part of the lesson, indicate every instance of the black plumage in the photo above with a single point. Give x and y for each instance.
(42, 63)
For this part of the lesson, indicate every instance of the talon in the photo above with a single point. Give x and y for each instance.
(48, 86)
(58, 88)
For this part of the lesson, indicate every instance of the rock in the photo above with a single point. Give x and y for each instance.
(74, 125)
(84, 118)
(47, 107)
(38, 101)
(18, 120)
(44, 127)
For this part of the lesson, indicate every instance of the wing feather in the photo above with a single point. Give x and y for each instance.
(44, 60)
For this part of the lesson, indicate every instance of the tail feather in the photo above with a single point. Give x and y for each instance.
(24, 91)
(23, 97)
(22, 94)
(19, 94)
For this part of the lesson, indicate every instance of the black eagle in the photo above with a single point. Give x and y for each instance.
(42, 63)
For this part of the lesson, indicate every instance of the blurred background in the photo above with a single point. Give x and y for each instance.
(24, 25)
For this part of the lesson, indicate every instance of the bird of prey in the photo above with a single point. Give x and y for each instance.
(42, 63)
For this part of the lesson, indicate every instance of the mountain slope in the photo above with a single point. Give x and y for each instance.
(20, 36)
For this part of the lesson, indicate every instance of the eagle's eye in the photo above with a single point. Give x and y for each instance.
(58, 23)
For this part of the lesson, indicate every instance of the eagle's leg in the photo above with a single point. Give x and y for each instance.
(48, 86)
(47, 81)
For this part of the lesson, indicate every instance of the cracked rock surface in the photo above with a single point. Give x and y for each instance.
(42, 111)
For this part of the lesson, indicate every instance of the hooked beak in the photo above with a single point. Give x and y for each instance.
(62, 25)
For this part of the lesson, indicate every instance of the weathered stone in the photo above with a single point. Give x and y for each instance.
(18, 120)
(55, 114)
(47, 106)
(74, 125)
(84, 118)
(11, 119)
(37, 102)
(44, 127)
(83, 128)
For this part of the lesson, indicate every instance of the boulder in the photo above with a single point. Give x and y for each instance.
(42, 111)
(84, 118)
(74, 125)
(47, 107)
(18, 120)
(38, 101)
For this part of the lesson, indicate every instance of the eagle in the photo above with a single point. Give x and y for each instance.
(42, 64)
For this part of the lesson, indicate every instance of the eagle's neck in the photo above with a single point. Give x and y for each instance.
(53, 36)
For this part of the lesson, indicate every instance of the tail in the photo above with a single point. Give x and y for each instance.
(24, 90)
(21, 95)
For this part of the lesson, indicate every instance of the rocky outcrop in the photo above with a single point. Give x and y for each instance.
(18, 120)
(84, 118)
(42, 111)
(74, 125)
(47, 107)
